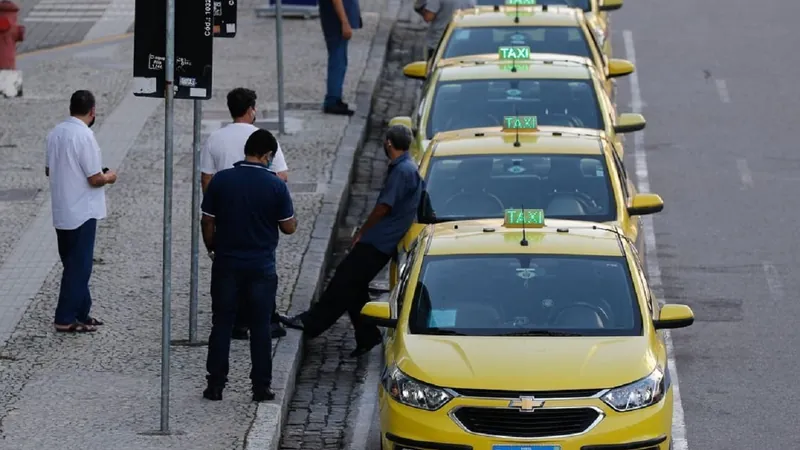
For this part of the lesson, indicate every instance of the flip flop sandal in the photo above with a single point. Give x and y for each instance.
(92, 322)
(77, 328)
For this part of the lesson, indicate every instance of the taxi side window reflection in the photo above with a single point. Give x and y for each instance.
(585, 295)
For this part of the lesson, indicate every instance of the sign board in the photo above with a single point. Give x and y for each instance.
(224, 18)
(520, 123)
(194, 44)
(521, 218)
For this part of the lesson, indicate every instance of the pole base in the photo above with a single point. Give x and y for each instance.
(11, 83)
(161, 433)
(188, 343)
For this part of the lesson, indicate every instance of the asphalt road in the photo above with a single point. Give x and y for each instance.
(716, 82)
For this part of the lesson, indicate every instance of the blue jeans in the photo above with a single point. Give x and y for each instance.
(337, 62)
(76, 250)
(260, 288)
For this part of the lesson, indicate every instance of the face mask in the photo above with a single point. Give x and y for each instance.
(254, 117)
(92, 122)
(269, 164)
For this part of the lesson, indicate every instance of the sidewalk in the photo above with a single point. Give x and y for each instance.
(102, 390)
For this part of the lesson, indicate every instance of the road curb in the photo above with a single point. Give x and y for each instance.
(265, 431)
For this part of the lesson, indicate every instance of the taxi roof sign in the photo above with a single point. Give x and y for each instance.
(520, 123)
(520, 2)
(514, 52)
(524, 218)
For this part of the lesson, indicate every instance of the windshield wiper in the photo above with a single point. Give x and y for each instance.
(443, 331)
(541, 333)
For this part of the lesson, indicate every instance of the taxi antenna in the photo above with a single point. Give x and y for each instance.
(524, 241)
(516, 129)
(516, 14)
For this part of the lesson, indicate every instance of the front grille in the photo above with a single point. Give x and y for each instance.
(488, 393)
(540, 423)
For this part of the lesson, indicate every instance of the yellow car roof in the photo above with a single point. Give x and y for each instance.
(488, 236)
(483, 16)
(548, 140)
(534, 68)
(540, 57)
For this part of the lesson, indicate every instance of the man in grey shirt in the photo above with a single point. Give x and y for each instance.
(438, 14)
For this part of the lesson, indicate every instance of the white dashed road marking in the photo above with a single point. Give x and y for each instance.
(722, 90)
(744, 173)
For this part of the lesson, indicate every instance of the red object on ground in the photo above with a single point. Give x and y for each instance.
(10, 34)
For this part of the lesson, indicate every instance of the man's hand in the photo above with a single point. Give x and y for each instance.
(347, 31)
(110, 177)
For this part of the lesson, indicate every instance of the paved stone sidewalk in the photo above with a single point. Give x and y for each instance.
(322, 411)
(97, 391)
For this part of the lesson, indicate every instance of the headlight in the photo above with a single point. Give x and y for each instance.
(414, 393)
(639, 394)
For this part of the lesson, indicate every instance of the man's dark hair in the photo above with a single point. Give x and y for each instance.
(400, 137)
(260, 143)
(240, 100)
(81, 103)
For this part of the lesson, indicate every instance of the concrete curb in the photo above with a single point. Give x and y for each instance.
(265, 431)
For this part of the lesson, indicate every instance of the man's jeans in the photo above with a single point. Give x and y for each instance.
(76, 250)
(260, 287)
(337, 63)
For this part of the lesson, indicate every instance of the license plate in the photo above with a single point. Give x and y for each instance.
(526, 447)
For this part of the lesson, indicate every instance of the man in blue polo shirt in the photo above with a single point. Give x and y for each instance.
(243, 209)
(373, 246)
(339, 18)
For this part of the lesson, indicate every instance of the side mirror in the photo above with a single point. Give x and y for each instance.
(644, 204)
(620, 68)
(628, 123)
(417, 70)
(425, 214)
(610, 5)
(674, 316)
(378, 313)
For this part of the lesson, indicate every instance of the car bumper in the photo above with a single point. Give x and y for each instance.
(406, 428)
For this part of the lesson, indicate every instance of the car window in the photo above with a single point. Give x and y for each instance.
(483, 103)
(525, 294)
(622, 174)
(487, 40)
(575, 187)
(582, 4)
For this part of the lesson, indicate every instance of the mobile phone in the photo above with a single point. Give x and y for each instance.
(105, 169)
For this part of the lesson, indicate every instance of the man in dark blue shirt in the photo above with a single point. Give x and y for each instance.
(243, 209)
(373, 246)
(339, 18)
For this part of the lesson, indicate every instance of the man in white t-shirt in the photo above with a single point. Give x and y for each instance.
(75, 168)
(223, 149)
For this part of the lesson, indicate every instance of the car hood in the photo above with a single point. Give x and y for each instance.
(526, 363)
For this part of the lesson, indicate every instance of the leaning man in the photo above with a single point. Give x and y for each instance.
(243, 209)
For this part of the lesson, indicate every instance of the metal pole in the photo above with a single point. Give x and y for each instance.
(279, 42)
(194, 292)
(166, 268)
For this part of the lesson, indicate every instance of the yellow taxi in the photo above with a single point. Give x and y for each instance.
(558, 89)
(539, 29)
(570, 173)
(596, 12)
(536, 338)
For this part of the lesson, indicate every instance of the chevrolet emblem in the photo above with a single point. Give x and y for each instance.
(526, 404)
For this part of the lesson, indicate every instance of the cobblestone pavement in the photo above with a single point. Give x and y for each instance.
(320, 411)
(94, 391)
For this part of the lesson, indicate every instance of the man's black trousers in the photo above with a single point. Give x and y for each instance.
(348, 291)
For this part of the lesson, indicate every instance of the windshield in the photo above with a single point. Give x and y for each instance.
(483, 103)
(582, 4)
(487, 40)
(494, 295)
(573, 187)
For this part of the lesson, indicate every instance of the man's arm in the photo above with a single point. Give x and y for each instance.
(207, 223)
(205, 178)
(89, 160)
(208, 166)
(287, 222)
(46, 171)
(388, 197)
(279, 166)
(380, 211)
(338, 7)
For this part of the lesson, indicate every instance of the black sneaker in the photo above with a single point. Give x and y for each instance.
(339, 109)
(292, 322)
(213, 393)
(263, 394)
(277, 331)
(240, 334)
(363, 349)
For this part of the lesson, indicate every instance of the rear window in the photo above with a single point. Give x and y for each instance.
(581, 4)
(483, 103)
(486, 40)
(498, 295)
(573, 187)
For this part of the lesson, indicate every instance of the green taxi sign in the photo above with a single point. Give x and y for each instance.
(527, 218)
(520, 2)
(514, 52)
(520, 123)
(515, 67)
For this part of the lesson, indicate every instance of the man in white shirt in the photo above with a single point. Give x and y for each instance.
(223, 149)
(75, 168)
